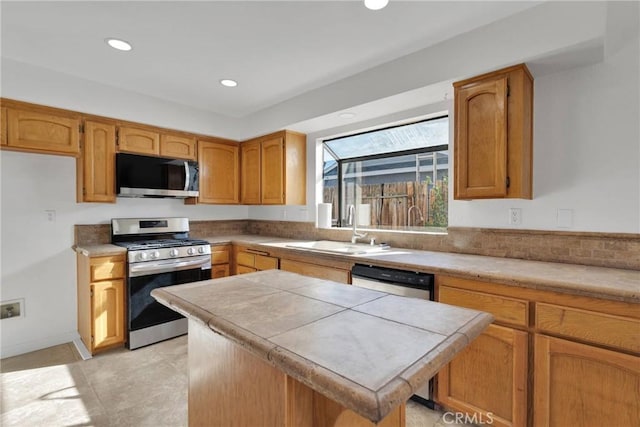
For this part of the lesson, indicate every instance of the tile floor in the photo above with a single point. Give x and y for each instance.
(146, 387)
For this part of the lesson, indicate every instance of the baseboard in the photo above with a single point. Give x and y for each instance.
(82, 349)
(29, 346)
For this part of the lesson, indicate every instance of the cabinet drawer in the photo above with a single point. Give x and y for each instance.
(313, 270)
(266, 262)
(589, 326)
(246, 259)
(241, 269)
(218, 271)
(219, 255)
(105, 268)
(505, 310)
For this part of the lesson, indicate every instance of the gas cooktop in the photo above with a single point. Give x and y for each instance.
(137, 245)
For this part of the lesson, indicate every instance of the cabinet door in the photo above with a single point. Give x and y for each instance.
(489, 378)
(219, 173)
(3, 129)
(138, 141)
(180, 147)
(220, 254)
(218, 271)
(40, 132)
(107, 313)
(272, 166)
(250, 167)
(580, 385)
(314, 270)
(98, 163)
(480, 148)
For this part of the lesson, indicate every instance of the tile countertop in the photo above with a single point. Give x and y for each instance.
(599, 282)
(368, 350)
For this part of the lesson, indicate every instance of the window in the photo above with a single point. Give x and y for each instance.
(397, 178)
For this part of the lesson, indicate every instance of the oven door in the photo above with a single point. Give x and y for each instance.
(143, 310)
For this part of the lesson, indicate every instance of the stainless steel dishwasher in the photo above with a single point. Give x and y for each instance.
(398, 282)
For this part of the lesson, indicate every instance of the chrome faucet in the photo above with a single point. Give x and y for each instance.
(409, 215)
(353, 220)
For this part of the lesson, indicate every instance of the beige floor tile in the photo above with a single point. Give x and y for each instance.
(140, 388)
(57, 355)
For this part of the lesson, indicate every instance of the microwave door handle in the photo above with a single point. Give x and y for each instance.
(187, 178)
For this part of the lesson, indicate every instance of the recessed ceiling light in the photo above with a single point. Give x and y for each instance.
(375, 4)
(228, 83)
(347, 115)
(119, 44)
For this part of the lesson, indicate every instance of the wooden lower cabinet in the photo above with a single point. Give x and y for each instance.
(250, 260)
(107, 299)
(549, 359)
(315, 270)
(101, 301)
(489, 378)
(220, 258)
(581, 385)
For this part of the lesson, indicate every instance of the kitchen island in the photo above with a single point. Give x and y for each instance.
(275, 348)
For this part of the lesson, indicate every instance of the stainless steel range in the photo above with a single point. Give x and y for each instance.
(159, 253)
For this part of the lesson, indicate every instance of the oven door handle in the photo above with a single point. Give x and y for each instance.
(166, 266)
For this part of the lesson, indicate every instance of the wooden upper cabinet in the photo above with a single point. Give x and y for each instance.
(250, 193)
(178, 146)
(219, 172)
(3, 129)
(96, 174)
(138, 141)
(493, 148)
(273, 169)
(44, 132)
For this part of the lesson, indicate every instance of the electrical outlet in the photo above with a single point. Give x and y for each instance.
(515, 216)
(11, 309)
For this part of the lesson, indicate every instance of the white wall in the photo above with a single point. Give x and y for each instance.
(586, 145)
(37, 261)
(25, 82)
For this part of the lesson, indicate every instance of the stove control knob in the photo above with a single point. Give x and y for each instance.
(142, 256)
(173, 252)
(201, 249)
(191, 251)
(155, 254)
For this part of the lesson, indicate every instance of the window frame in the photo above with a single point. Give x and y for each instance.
(340, 162)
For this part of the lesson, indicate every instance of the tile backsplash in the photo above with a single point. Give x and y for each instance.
(617, 250)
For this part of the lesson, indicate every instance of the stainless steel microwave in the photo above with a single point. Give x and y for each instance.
(145, 176)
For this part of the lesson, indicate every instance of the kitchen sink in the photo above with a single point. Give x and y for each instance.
(329, 246)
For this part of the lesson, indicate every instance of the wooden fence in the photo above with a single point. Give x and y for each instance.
(390, 203)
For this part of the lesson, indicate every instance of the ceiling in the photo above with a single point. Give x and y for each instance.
(276, 50)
